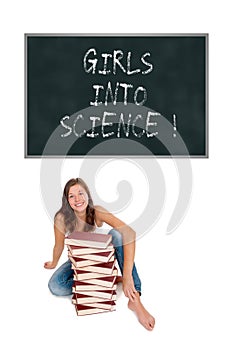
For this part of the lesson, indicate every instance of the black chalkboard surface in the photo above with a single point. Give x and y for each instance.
(116, 95)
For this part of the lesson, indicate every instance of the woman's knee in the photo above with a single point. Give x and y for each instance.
(54, 286)
(57, 288)
(116, 237)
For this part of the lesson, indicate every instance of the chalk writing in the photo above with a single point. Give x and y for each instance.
(106, 64)
(126, 125)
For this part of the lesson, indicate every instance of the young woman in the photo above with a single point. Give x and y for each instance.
(78, 213)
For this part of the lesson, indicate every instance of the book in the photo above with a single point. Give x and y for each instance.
(95, 289)
(80, 262)
(86, 286)
(88, 275)
(78, 298)
(88, 310)
(104, 281)
(104, 294)
(77, 250)
(88, 239)
(107, 305)
(104, 268)
(99, 257)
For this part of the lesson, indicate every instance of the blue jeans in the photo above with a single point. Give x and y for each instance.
(61, 282)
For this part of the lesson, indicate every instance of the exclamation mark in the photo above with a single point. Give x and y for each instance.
(174, 125)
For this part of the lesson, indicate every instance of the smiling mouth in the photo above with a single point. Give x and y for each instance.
(79, 204)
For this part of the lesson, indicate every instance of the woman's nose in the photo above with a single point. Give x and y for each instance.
(77, 197)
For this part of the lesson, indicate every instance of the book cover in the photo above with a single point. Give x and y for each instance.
(89, 239)
(81, 262)
(88, 275)
(82, 310)
(79, 298)
(105, 283)
(77, 250)
(108, 305)
(105, 294)
(100, 256)
(104, 268)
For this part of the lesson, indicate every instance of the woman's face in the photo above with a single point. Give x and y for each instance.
(78, 198)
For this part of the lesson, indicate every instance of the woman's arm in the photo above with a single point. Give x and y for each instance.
(59, 243)
(128, 237)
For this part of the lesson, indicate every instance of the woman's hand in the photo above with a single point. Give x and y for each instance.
(49, 265)
(128, 287)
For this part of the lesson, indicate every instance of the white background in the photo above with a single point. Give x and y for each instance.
(187, 276)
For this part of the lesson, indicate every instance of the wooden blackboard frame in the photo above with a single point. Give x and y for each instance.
(205, 154)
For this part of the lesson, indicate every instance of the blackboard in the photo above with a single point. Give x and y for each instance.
(116, 95)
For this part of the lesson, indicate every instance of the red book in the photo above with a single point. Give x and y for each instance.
(105, 294)
(77, 250)
(88, 239)
(82, 310)
(81, 275)
(79, 298)
(100, 256)
(107, 305)
(104, 281)
(80, 262)
(105, 268)
(81, 286)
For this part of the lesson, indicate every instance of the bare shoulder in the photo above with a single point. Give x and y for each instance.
(100, 209)
(101, 212)
(103, 215)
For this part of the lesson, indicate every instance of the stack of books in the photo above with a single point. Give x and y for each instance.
(95, 271)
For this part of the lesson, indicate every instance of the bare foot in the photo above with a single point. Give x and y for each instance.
(146, 319)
